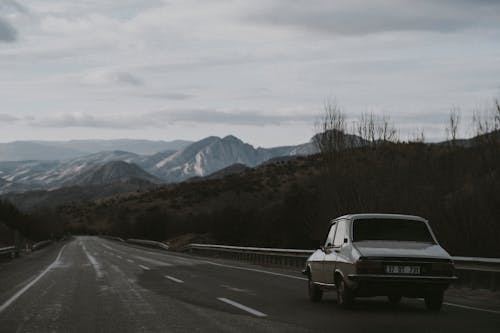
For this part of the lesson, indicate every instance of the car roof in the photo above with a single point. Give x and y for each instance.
(381, 216)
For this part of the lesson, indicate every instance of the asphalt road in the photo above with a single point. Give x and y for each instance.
(90, 284)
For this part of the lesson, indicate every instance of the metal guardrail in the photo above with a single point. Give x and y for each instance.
(148, 243)
(40, 245)
(13, 251)
(473, 272)
(119, 239)
(476, 263)
(268, 256)
(8, 252)
(254, 249)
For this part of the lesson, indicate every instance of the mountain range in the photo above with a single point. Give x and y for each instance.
(180, 161)
(62, 150)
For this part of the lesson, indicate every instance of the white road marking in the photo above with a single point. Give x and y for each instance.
(108, 247)
(265, 272)
(130, 261)
(146, 268)
(153, 261)
(209, 262)
(95, 264)
(260, 271)
(242, 307)
(11, 300)
(173, 279)
(235, 289)
(256, 270)
(471, 308)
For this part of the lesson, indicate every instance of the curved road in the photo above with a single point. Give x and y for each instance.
(91, 284)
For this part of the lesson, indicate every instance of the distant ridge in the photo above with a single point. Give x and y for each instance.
(113, 172)
(62, 150)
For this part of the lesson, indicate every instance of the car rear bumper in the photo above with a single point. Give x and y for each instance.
(410, 286)
(402, 278)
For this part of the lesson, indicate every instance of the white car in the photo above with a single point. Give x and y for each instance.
(380, 255)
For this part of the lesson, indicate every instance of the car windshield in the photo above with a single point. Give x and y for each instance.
(391, 230)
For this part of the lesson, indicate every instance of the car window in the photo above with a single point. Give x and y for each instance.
(391, 230)
(340, 234)
(331, 233)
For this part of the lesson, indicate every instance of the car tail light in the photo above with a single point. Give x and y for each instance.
(364, 266)
(443, 269)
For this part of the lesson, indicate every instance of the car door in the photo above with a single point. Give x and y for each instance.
(317, 259)
(333, 253)
(327, 252)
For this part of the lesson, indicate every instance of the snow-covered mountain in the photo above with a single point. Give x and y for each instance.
(53, 174)
(210, 155)
(198, 159)
(113, 172)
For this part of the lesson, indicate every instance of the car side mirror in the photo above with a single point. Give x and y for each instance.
(346, 241)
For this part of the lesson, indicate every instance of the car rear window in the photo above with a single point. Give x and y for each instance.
(391, 230)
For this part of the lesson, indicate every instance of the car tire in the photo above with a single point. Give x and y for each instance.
(394, 299)
(345, 296)
(434, 301)
(315, 292)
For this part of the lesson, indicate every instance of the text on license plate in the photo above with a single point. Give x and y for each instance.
(398, 269)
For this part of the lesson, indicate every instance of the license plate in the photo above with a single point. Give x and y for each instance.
(397, 269)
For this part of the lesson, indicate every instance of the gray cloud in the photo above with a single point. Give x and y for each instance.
(171, 96)
(231, 118)
(238, 56)
(9, 6)
(107, 77)
(375, 16)
(7, 118)
(74, 120)
(7, 32)
(171, 117)
(127, 78)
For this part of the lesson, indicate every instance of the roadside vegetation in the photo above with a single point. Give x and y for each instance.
(17, 227)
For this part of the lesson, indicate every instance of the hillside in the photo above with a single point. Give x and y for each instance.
(233, 169)
(113, 172)
(32, 201)
(287, 203)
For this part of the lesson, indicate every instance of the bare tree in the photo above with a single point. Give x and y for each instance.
(386, 130)
(366, 127)
(486, 120)
(332, 129)
(376, 129)
(453, 124)
(497, 115)
(417, 136)
(481, 123)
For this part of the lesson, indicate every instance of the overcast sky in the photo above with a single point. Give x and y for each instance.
(260, 69)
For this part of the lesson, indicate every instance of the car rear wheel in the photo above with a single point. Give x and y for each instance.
(315, 292)
(434, 300)
(394, 299)
(345, 296)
